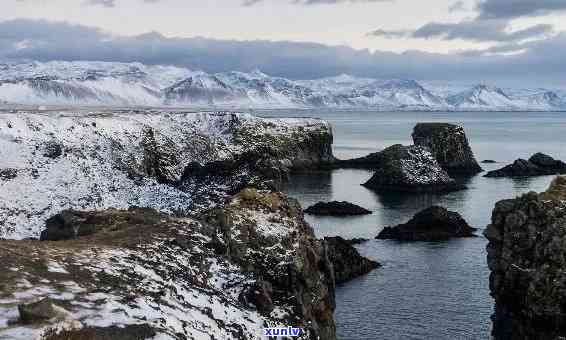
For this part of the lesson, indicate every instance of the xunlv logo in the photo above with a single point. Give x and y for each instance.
(282, 331)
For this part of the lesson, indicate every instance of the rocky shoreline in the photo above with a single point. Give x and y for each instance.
(216, 251)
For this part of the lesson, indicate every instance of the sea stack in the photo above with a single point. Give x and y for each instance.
(527, 256)
(449, 145)
(410, 169)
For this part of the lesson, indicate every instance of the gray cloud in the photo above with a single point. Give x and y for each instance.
(473, 30)
(315, 2)
(457, 7)
(105, 3)
(507, 9)
(42, 40)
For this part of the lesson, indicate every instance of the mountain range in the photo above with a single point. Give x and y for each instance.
(134, 84)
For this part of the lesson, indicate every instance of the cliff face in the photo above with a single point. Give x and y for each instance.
(214, 263)
(55, 161)
(449, 145)
(527, 257)
(252, 264)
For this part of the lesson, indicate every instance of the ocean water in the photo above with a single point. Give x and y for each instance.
(425, 290)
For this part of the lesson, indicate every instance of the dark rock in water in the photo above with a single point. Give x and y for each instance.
(527, 257)
(336, 208)
(8, 174)
(357, 240)
(432, 224)
(53, 150)
(370, 161)
(39, 311)
(410, 169)
(488, 161)
(449, 145)
(347, 262)
(538, 165)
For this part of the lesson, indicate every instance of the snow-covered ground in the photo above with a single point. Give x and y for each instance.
(135, 84)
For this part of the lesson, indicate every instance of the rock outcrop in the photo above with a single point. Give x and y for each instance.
(410, 169)
(371, 161)
(336, 208)
(526, 255)
(55, 161)
(538, 165)
(216, 261)
(253, 263)
(346, 260)
(432, 224)
(449, 145)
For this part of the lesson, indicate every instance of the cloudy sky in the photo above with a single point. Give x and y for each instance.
(503, 41)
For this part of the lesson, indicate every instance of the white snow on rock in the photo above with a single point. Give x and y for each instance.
(52, 161)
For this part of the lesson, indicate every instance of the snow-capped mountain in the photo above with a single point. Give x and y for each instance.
(481, 96)
(135, 84)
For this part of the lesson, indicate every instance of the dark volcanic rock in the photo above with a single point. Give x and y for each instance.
(410, 169)
(71, 224)
(126, 332)
(53, 150)
(259, 294)
(8, 174)
(336, 208)
(347, 262)
(488, 161)
(432, 224)
(357, 240)
(527, 256)
(449, 145)
(370, 161)
(39, 311)
(538, 165)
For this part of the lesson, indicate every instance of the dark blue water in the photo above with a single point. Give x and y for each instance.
(425, 290)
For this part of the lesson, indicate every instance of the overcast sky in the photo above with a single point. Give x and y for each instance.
(465, 41)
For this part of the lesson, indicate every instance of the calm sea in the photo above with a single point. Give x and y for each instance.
(425, 290)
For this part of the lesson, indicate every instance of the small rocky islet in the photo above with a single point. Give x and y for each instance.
(440, 150)
(538, 164)
(336, 208)
(432, 224)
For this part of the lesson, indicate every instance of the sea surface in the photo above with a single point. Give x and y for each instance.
(425, 290)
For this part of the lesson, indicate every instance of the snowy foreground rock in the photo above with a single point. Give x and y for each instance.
(527, 256)
(215, 253)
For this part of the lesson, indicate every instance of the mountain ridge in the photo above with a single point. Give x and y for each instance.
(93, 83)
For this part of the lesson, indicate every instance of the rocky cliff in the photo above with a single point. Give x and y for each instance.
(251, 264)
(449, 145)
(51, 161)
(211, 261)
(526, 256)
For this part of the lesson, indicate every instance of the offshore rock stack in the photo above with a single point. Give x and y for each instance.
(527, 257)
(410, 169)
(449, 145)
